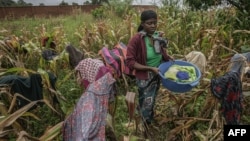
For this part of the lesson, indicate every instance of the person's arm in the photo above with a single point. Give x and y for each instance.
(138, 66)
(131, 56)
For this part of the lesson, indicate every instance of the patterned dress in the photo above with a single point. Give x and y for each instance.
(228, 89)
(87, 121)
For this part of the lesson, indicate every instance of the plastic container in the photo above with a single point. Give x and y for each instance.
(178, 87)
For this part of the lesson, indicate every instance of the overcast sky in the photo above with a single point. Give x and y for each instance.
(80, 2)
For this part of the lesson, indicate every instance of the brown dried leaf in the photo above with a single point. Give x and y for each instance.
(7, 121)
(13, 102)
(24, 136)
(4, 133)
(178, 129)
(200, 136)
(52, 132)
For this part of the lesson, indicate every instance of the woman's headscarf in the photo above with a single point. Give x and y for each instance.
(88, 68)
(146, 15)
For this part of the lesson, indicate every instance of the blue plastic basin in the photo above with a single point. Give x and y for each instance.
(178, 87)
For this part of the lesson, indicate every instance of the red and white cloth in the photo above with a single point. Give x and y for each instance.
(87, 121)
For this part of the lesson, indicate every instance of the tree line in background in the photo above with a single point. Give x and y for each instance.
(5, 3)
(242, 6)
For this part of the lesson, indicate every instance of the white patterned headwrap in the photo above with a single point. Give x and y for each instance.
(88, 68)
